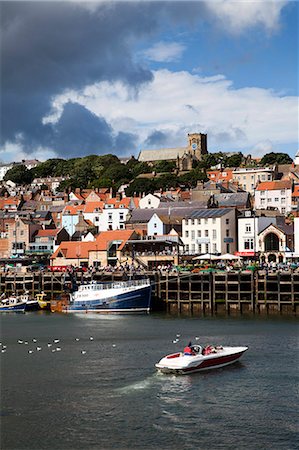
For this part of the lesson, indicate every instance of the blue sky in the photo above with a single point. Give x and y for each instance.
(82, 78)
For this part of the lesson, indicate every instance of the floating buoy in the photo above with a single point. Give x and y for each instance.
(49, 345)
(77, 339)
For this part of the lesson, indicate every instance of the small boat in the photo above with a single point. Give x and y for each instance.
(42, 302)
(133, 296)
(201, 359)
(12, 304)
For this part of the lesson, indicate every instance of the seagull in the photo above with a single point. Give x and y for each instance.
(83, 352)
(33, 340)
(4, 347)
(77, 339)
(53, 350)
(38, 348)
(58, 349)
(26, 343)
(175, 341)
(196, 338)
(30, 351)
(56, 340)
(3, 351)
(49, 345)
(91, 338)
(20, 342)
(178, 335)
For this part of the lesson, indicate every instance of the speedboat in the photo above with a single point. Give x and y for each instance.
(133, 296)
(201, 359)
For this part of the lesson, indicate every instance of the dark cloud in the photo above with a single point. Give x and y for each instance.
(48, 47)
(156, 138)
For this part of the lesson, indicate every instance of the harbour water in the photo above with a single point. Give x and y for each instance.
(101, 390)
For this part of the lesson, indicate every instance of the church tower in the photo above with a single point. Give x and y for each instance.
(197, 145)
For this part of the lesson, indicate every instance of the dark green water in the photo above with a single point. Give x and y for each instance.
(112, 397)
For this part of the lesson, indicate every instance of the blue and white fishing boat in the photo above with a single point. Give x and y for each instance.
(132, 296)
(12, 304)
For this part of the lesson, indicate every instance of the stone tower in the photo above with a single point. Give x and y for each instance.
(197, 145)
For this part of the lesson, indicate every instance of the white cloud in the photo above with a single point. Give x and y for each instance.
(237, 16)
(180, 102)
(165, 52)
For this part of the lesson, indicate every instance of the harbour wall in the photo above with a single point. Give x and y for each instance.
(238, 292)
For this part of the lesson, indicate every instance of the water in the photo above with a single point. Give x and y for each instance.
(112, 398)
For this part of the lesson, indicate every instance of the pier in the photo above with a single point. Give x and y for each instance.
(237, 292)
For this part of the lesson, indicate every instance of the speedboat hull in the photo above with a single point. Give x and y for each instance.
(180, 364)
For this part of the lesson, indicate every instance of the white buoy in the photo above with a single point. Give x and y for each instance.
(3, 351)
(178, 335)
(4, 347)
(49, 345)
(77, 339)
(26, 343)
(53, 350)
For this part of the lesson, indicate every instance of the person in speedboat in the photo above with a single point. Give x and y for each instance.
(188, 350)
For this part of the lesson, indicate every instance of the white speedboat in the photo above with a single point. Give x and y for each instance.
(200, 359)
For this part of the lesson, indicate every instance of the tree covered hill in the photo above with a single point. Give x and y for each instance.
(96, 171)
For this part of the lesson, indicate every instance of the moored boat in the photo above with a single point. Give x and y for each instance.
(200, 359)
(132, 296)
(12, 304)
(42, 302)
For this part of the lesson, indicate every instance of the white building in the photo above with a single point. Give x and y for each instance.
(210, 231)
(247, 178)
(296, 235)
(3, 169)
(296, 159)
(274, 194)
(149, 201)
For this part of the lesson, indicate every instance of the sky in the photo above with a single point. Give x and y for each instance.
(81, 78)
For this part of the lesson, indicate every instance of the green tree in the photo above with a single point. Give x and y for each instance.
(234, 160)
(276, 158)
(140, 186)
(19, 174)
(164, 166)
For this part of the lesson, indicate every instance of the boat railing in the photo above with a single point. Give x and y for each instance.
(115, 284)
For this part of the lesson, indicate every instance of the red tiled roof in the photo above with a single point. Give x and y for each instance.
(91, 206)
(44, 233)
(296, 191)
(74, 249)
(274, 185)
(114, 235)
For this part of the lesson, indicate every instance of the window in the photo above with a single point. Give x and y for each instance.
(186, 233)
(193, 236)
(227, 248)
(224, 174)
(214, 220)
(263, 177)
(283, 191)
(206, 221)
(206, 233)
(192, 221)
(227, 221)
(227, 233)
(283, 210)
(283, 200)
(214, 234)
(109, 216)
(121, 216)
(214, 248)
(199, 248)
(212, 175)
(199, 233)
(187, 248)
(207, 248)
(269, 200)
(248, 228)
(149, 202)
(199, 222)
(248, 244)
(155, 225)
(262, 201)
(193, 248)
(269, 177)
(121, 226)
(262, 192)
(277, 199)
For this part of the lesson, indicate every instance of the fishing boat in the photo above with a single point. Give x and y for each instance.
(42, 302)
(200, 359)
(133, 296)
(12, 304)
